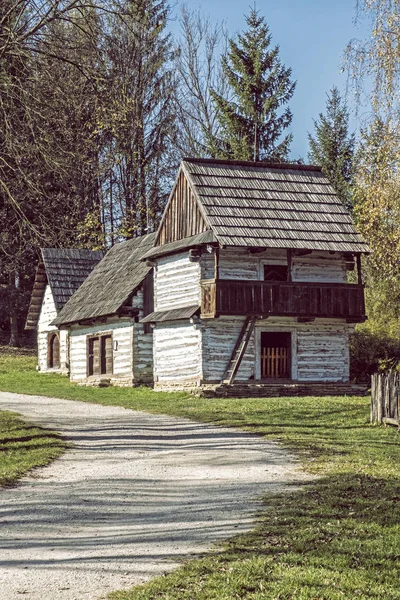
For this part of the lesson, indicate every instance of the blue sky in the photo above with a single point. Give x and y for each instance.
(312, 35)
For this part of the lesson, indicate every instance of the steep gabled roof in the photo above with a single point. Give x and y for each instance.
(64, 269)
(111, 283)
(268, 205)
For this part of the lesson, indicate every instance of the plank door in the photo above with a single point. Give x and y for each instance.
(275, 355)
(54, 351)
(94, 356)
(106, 355)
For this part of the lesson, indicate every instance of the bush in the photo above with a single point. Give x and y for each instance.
(371, 352)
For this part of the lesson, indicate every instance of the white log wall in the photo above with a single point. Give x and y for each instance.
(237, 263)
(177, 353)
(122, 333)
(219, 339)
(142, 346)
(48, 312)
(176, 282)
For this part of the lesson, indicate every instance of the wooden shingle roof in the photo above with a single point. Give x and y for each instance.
(111, 282)
(64, 269)
(270, 205)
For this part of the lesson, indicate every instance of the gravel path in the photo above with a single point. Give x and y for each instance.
(135, 495)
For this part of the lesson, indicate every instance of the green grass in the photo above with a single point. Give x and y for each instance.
(24, 446)
(338, 537)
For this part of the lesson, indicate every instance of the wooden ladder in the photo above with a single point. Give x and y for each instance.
(239, 350)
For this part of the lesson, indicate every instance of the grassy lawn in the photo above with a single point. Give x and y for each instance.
(338, 537)
(24, 446)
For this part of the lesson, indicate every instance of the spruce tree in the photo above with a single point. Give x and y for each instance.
(332, 146)
(251, 121)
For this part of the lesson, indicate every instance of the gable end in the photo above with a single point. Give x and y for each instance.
(183, 217)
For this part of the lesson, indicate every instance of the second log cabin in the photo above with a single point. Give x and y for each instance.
(251, 281)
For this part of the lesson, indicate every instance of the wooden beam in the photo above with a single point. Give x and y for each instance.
(289, 263)
(359, 274)
(216, 263)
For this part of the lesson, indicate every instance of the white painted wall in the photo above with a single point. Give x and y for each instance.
(219, 337)
(183, 353)
(176, 282)
(48, 312)
(320, 350)
(237, 263)
(177, 353)
(142, 346)
(122, 333)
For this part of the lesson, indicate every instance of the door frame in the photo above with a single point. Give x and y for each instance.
(293, 350)
(99, 335)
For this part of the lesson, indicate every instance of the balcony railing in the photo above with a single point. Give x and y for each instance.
(283, 299)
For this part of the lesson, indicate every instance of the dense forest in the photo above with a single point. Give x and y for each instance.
(99, 103)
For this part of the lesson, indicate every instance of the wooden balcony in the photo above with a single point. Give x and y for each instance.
(282, 299)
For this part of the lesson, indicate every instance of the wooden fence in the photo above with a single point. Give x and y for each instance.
(385, 398)
(274, 363)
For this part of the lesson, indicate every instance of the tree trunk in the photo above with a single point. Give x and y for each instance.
(13, 293)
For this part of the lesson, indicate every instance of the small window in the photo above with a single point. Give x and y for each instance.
(100, 355)
(275, 273)
(53, 356)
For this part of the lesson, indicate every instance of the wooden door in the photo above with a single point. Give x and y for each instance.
(94, 356)
(106, 355)
(275, 355)
(54, 351)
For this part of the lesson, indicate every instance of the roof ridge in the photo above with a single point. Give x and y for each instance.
(257, 165)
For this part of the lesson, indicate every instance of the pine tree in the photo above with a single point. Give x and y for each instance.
(332, 146)
(251, 123)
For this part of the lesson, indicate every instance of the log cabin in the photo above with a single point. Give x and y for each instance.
(106, 343)
(257, 282)
(59, 274)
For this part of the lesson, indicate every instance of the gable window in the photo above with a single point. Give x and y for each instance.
(53, 351)
(275, 272)
(100, 355)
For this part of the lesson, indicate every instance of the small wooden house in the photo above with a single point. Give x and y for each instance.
(59, 274)
(251, 288)
(106, 342)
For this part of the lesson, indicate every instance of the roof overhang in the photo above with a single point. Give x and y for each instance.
(207, 237)
(176, 314)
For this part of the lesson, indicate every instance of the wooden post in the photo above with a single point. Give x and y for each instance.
(289, 263)
(359, 271)
(216, 263)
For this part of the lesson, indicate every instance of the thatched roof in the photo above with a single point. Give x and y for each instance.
(64, 269)
(270, 205)
(110, 284)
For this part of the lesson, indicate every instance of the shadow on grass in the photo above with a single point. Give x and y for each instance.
(336, 538)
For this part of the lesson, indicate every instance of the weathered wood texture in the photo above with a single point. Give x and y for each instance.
(238, 263)
(132, 348)
(219, 339)
(385, 398)
(142, 340)
(177, 354)
(274, 363)
(319, 349)
(121, 333)
(281, 206)
(182, 217)
(47, 313)
(233, 297)
(176, 282)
